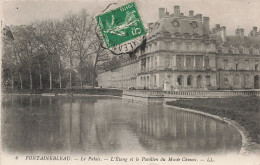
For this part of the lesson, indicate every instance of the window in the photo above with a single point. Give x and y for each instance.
(155, 61)
(225, 63)
(207, 46)
(247, 64)
(188, 62)
(188, 46)
(236, 81)
(178, 62)
(256, 67)
(189, 80)
(226, 79)
(167, 61)
(207, 63)
(179, 80)
(247, 80)
(197, 46)
(236, 62)
(154, 81)
(178, 46)
(208, 80)
(198, 62)
(167, 64)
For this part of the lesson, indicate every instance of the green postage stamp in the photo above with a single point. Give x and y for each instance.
(121, 27)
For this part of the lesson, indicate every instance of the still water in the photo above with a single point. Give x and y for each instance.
(62, 124)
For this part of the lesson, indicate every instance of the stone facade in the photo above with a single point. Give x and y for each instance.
(182, 53)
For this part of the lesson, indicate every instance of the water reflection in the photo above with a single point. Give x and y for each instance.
(105, 125)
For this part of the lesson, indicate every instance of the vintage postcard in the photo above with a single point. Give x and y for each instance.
(152, 82)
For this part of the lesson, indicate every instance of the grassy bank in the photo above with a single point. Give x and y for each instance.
(96, 91)
(243, 110)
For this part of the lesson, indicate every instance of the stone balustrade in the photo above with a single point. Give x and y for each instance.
(190, 94)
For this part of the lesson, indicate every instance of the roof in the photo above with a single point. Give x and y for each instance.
(179, 25)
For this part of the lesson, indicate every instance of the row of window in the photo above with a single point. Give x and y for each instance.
(237, 80)
(180, 46)
(239, 50)
(179, 62)
(190, 81)
(190, 62)
(237, 67)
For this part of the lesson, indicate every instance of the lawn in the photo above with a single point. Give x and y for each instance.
(244, 110)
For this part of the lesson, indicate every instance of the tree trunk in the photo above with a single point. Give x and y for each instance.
(60, 80)
(93, 76)
(70, 72)
(40, 80)
(31, 83)
(70, 79)
(60, 74)
(94, 69)
(81, 79)
(21, 81)
(12, 78)
(50, 77)
(40, 74)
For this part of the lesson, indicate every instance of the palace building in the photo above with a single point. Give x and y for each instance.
(183, 53)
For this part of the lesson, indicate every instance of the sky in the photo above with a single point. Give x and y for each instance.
(230, 13)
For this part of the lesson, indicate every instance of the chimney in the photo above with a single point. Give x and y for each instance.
(191, 13)
(199, 16)
(161, 12)
(222, 32)
(240, 32)
(206, 24)
(254, 31)
(176, 11)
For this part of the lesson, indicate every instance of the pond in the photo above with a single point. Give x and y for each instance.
(93, 125)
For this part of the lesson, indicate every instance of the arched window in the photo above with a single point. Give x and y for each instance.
(189, 80)
(179, 80)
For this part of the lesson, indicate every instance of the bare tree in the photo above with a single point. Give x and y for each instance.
(101, 55)
(28, 47)
(80, 29)
(50, 37)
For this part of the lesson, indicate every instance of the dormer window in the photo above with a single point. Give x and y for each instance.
(186, 35)
(175, 23)
(195, 35)
(157, 25)
(193, 24)
(177, 34)
(150, 29)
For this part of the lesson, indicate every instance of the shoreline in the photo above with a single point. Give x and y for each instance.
(247, 143)
(84, 95)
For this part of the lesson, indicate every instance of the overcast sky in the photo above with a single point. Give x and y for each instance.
(229, 13)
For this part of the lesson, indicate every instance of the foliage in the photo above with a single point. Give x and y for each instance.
(52, 53)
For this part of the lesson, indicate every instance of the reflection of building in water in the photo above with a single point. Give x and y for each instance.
(181, 52)
(171, 130)
(71, 124)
